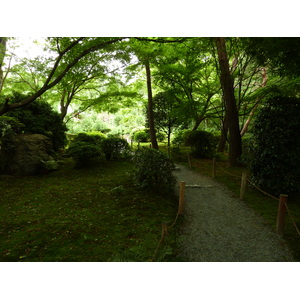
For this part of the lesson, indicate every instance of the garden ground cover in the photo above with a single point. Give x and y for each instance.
(93, 214)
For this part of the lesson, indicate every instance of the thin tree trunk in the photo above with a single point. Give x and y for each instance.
(150, 107)
(63, 107)
(169, 138)
(235, 147)
(246, 125)
(223, 138)
(2, 55)
(264, 84)
(197, 123)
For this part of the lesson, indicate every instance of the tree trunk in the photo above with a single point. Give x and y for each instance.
(197, 123)
(2, 55)
(235, 146)
(169, 135)
(223, 138)
(63, 107)
(264, 84)
(150, 107)
(65, 102)
(246, 125)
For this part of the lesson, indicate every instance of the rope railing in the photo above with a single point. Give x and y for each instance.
(285, 204)
(165, 227)
(243, 187)
(293, 221)
(234, 175)
(265, 193)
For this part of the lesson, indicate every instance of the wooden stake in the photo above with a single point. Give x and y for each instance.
(243, 185)
(214, 168)
(181, 198)
(189, 160)
(281, 214)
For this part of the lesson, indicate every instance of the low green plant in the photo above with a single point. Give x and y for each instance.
(160, 136)
(179, 137)
(50, 164)
(141, 136)
(84, 148)
(153, 170)
(114, 147)
(118, 190)
(203, 143)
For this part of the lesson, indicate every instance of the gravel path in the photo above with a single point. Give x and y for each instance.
(221, 228)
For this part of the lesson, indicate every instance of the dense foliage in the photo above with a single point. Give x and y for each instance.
(83, 149)
(276, 144)
(281, 54)
(153, 170)
(141, 136)
(114, 147)
(203, 143)
(39, 117)
(8, 127)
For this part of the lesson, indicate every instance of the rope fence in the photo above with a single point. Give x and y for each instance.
(165, 227)
(282, 207)
(244, 180)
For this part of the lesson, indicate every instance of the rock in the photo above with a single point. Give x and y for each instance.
(30, 154)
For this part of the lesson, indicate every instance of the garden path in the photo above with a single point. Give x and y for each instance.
(218, 227)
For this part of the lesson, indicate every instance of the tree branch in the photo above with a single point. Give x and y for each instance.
(47, 85)
(180, 40)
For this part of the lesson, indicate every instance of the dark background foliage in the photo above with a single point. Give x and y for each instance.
(276, 144)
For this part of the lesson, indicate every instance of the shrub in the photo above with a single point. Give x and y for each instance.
(84, 138)
(114, 147)
(276, 143)
(84, 148)
(160, 136)
(9, 125)
(141, 136)
(247, 149)
(153, 170)
(39, 117)
(97, 134)
(203, 143)
(179, 137)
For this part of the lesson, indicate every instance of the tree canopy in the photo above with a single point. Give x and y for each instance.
(214, 84)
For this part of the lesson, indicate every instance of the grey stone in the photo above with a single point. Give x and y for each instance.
(29, 155)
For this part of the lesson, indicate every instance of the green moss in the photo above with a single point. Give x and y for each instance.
(77, 215)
